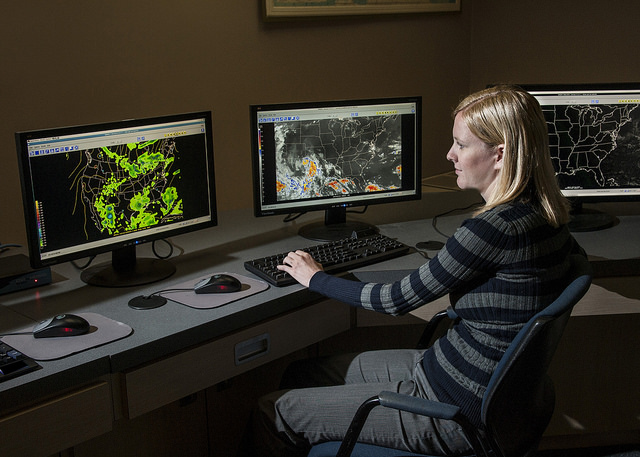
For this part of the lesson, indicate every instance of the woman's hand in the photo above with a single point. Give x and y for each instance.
(301, 266)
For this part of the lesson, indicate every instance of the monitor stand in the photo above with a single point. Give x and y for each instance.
(126, 270)
(589, 220)
(335, 227)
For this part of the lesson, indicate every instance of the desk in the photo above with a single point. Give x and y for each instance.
(162, 361)
(175, 350)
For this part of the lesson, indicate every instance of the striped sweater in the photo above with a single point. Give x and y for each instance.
(499, 269)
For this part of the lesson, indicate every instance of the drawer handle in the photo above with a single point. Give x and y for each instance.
(253, 348)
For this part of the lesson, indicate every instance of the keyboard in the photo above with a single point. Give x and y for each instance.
(335, 256)
(14, 363)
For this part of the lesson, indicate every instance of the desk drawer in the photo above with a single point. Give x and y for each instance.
(175, 377)
(59, 423)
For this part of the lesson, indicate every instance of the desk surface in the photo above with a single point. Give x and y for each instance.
(169, 329)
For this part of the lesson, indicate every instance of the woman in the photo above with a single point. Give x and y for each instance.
(500, 268)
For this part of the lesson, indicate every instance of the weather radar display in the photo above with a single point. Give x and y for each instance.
(128, 187)
(95, 184)
(330, 157)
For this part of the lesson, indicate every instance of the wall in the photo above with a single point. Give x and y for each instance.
(79, 62)
(546, 41)
(72, 62)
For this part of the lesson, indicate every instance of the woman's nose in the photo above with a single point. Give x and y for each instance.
(451, 155)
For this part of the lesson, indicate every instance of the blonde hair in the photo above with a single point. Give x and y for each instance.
(510, 116)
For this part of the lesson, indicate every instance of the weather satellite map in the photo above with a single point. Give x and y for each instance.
(331, 157)
(128, 187)
(595, 145)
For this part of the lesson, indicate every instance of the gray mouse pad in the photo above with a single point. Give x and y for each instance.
(103, 330)
(189, 298)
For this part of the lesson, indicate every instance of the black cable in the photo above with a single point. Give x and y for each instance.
(158, 292)
(434, 221)
(14, 334)
(431, 245)
(86, 265)
(362, 211)
(10, 245)
(152, 300)
(421, 252)
(4, 247)
(293, 216)
(153, 248)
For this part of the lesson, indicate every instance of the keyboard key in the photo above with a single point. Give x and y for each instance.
(14, 363)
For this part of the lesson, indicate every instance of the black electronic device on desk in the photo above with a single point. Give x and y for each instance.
(593, 141)
(16, 274)
(109, 187)
(14, 363)
(336, 256)
(333, 155)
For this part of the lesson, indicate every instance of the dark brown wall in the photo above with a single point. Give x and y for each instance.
(76, 62)
(71, 62)
(549, 41)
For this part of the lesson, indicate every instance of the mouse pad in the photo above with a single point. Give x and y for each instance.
(103, 330)
(189, 298)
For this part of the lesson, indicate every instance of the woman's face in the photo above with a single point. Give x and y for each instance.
(477, 164)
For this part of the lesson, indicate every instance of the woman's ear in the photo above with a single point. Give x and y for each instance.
(499, 151)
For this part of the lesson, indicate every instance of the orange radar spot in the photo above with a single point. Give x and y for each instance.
(313, 169)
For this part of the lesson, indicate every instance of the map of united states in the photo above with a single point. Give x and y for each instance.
(128, 187)
(597, 143)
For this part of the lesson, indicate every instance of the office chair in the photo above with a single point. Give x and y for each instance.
(518, 402)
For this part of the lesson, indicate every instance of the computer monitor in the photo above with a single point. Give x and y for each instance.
(594, 137)
(108, 187)
(333, 155)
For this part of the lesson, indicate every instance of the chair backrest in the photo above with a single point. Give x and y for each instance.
(520, 398)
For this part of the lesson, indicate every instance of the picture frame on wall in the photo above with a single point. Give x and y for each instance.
(280, 9)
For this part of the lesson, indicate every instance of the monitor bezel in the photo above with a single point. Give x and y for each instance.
(117, 242)
(326, 204)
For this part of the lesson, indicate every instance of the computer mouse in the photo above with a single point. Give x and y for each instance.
(217, 284)
(61, 325)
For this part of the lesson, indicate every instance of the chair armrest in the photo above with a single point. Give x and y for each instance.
(413, 405)
(419, 406)
(436, 410)
(435, 325)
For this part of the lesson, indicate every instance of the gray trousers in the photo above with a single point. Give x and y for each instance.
(288, 422)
